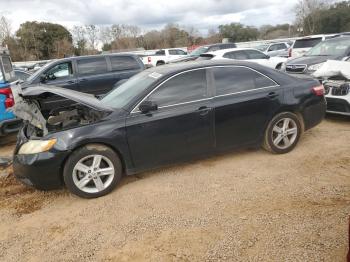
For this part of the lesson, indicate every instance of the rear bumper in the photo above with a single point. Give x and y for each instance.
(10, 126)
(314, 114)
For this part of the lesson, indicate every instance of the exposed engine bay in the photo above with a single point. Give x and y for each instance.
(40, 123)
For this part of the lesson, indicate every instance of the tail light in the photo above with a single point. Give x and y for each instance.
(149, 59)
(9, 101)
(318, 90)
(290, 52)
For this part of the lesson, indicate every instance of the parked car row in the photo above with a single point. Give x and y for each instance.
(242, 54)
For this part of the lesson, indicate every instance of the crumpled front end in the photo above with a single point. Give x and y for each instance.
(336, 80)
(84, 109)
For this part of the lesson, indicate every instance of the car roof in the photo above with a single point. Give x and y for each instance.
(219, 44)
(179, 67)
(223, 51)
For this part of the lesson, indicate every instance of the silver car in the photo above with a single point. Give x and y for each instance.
(275, 49)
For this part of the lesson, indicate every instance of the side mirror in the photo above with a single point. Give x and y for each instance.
(267, 57)
(147, 106)
(43, 78)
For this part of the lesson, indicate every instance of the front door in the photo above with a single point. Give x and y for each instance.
(181, 127)
(61, 75)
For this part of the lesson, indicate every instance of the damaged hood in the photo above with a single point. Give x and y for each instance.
(79, 97)
(333, 68)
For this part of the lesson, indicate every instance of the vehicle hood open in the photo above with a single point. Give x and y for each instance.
(87, 109)
(79, 97)
(333, 68)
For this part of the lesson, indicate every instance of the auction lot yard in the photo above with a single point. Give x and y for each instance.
(247, 205)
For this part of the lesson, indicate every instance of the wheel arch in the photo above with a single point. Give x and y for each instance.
(73, 149)
(293, 110)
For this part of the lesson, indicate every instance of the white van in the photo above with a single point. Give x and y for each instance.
(304, 44)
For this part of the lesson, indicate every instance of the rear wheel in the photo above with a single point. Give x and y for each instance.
(159, 63)
(92, 171)
(282, 133)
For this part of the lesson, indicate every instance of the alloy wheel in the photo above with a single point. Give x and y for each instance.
(284, 133)
(93, 173)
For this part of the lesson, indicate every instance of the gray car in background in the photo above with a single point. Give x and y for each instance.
(275, 49)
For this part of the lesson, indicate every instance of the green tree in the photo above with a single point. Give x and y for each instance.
(335, 19)
(237, 32)
(39, 40)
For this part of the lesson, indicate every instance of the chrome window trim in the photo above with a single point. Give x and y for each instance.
(136, 110)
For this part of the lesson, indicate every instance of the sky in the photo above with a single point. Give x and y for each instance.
(150, 14)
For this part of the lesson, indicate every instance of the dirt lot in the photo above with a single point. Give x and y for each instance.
(247, 205)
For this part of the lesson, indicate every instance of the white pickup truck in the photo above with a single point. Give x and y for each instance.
(163, 56)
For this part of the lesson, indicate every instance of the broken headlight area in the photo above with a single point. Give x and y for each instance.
(39, 123)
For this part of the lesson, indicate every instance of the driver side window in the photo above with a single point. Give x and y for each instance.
(62, 70)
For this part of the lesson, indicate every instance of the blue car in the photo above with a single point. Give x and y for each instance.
(8, 122)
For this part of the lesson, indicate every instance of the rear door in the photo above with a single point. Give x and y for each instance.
(94, 75)
(123, 67)
(181, 128)
(244, 102)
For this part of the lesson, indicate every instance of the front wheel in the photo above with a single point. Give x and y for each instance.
(282, 133)
(92, 171)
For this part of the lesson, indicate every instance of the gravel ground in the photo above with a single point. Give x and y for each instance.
(247, 205)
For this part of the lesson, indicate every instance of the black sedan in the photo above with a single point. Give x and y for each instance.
(159, 117)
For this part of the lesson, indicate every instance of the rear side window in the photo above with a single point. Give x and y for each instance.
(183, 88)
(230, 80)
(123, 63)
(160, 52)
(239, 55)
(307, 42)
(91, 66)
(253, 54)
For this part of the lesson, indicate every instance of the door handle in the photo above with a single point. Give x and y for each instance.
(70, 82)
(82, 80)
(272, 95)
(203, 110)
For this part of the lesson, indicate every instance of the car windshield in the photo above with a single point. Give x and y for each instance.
(334, 47)
(262, 48)
(200, 50)
(122, 95)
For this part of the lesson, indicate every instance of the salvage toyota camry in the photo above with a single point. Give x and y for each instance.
(161, 116)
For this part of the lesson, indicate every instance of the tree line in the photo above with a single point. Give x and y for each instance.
(40, 40)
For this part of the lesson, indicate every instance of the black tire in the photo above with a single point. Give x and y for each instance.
(107, 154)
(270, 134)
(159, 63)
